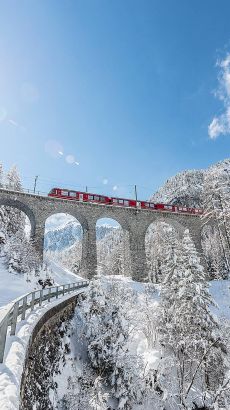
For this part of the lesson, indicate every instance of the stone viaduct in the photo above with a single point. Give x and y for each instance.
(134, 222)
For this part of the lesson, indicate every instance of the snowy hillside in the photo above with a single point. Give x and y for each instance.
(63, 237)
(186, 188)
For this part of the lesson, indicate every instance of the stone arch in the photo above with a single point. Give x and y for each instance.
(56, 249)
(14, 203)
(77, 215)
(113, 253)
(178, 226)
(115, 215)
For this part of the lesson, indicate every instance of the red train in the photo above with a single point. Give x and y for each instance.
(102, 199)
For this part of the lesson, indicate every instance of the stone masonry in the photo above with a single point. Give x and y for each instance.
(134, 222)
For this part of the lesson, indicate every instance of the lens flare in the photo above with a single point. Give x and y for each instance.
(52, 148)
(70, 159)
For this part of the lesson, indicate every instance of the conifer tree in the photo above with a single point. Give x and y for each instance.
(216, 204)
(16, 218)
(188, 328)
(13, 181)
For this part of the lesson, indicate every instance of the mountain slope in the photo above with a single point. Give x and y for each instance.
(186, 188)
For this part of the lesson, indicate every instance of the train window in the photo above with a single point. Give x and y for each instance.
(115, 200)
(167, 206)
(96, 198)
(147, 204)
(120, 201)
(91, 197)
(184, 209)
(64, 193)
(102, 198)
(73, 194)
(180, 209)
(152, 205)
(126, 203)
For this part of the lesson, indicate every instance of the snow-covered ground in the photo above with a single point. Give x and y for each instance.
(11, 369)
(13, 285)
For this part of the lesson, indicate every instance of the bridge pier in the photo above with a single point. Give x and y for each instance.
(38, 239)
(89, 252)
(138, 257)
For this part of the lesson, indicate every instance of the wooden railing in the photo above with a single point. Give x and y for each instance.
(9, 316)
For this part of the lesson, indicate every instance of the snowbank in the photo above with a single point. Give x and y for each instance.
(15, 352)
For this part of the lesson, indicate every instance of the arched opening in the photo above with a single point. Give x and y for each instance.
(17, 252)
(113, 255)
(158, 241)
(14, 215)
(63, 243)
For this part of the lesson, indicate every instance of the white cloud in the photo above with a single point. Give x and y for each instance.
(215, 128)
(221, 124)
(115, 187)
(105, 181)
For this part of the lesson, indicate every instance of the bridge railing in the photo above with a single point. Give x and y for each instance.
(32, 192)
(9, 317)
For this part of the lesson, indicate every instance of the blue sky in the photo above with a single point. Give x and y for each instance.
(125, 87)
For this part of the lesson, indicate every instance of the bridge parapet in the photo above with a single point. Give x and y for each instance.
(9, 316)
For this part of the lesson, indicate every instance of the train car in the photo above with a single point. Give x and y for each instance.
(78, 196)
(147, 205)
(123, 202)
(185, 209)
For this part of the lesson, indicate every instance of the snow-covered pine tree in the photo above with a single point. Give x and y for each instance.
(107, 311)
(20, 254)
(216, 204)
(15, 218)
(189, 330)
(13, 180)
(158, 244)
(213, 253)
(85, 391)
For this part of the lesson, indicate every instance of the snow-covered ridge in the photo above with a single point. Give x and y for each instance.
(186, 188)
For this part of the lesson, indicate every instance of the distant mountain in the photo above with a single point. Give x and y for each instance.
(186, 188)
(67, 235)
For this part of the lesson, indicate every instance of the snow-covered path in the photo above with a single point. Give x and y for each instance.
(13, 285)
(60, 274)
